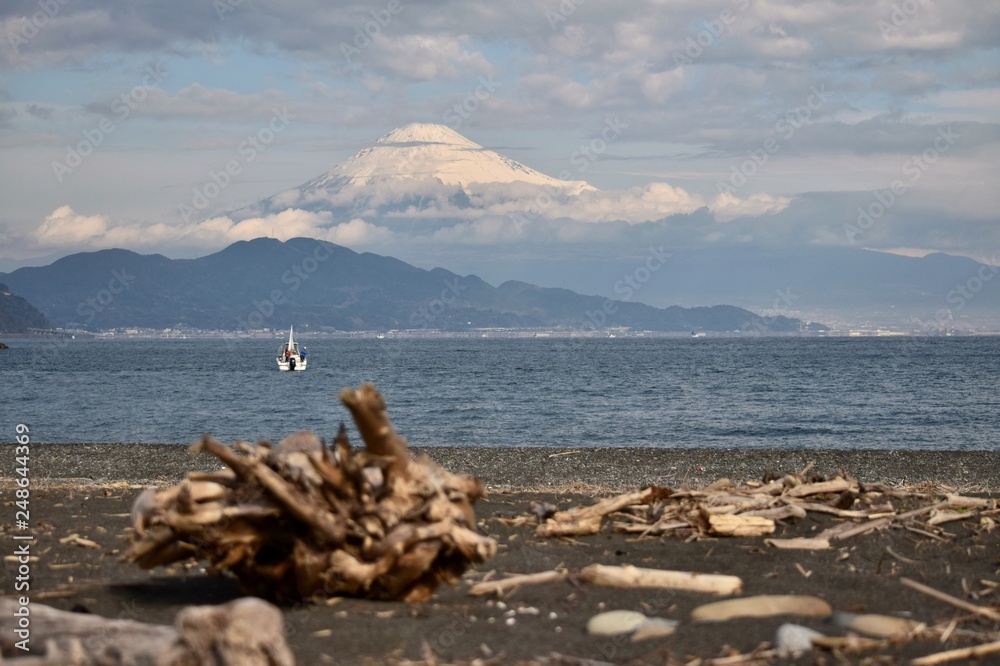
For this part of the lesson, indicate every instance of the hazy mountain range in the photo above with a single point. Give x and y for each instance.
(433, 196)
(318, 285)
(436, 198)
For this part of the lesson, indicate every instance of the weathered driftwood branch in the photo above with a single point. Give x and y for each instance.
(247, 631)
(298, 521)
(740, 525)
(764, 605)
(637, 577)
(517, 580)
(948, 599)
(975, 652)
(620, 576)
(723, 509)
(367, 407)
(799, 543)
(587, 519)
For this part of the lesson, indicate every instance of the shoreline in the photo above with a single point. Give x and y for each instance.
(534, 468)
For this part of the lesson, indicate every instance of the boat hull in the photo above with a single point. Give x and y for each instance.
(300, 365)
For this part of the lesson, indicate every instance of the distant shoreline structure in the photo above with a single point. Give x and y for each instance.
(498, 333)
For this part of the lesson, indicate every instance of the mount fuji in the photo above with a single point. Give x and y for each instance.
(425, 151)
(420, 171)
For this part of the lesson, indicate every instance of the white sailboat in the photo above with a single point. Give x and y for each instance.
(290, 356)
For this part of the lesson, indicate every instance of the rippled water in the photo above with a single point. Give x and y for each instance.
(896, 393)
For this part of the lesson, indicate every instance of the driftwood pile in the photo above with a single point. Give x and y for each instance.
(299, 521)
(248, 631)
(756, 508)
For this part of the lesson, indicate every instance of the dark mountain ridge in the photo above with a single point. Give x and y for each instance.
(319, 285)
(17, 315)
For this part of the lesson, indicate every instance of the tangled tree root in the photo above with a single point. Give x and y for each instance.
(299, 521)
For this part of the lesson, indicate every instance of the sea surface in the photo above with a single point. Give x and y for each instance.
(755, 392)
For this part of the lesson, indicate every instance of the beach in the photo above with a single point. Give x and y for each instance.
(87, 490)
(529, 468)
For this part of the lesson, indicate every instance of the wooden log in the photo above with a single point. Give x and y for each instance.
(799, 543)
(635, 577)
(587, 519)
(581, 526)
(740, 525)
(833, 511)
(837, 485)
(657, 528)
(514, 581)
(290, 498)
(778, 512)
(848, 530)
(948, 599)
(880, 626)
(368, 409)
(762, 606)
(939, 517)
(851, 643)
(975, 652)
(960, 502)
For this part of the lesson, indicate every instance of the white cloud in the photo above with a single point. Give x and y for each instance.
(508, 213)
(357, 233)
(660, 86)
(726, 207)
(756, 62)
(199, 101)
(66, 228)
(426, 58)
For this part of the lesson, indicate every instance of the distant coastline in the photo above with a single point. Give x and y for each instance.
(265, 334)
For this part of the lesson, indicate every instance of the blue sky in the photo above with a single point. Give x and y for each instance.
(701, 86)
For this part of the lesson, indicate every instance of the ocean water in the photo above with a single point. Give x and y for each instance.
(801, 393)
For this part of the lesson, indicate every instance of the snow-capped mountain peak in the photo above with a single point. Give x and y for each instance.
(426, 133)
(421, 151)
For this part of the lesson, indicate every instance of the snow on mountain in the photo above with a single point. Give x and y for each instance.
(423, 161)
(424, 150)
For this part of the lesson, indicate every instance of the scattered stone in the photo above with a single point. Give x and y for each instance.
(246, 631)
(792, 640)
(654, 627)
(543, 510)
(615, 623)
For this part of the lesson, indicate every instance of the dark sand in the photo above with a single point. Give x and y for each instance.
(531, 468)
(88, 490)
